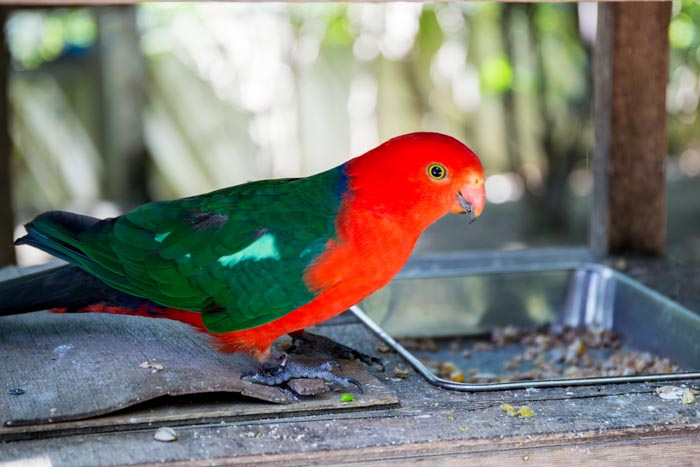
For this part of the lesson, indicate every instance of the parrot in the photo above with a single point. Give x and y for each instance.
(251, 263)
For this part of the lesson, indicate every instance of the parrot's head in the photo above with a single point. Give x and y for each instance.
(421, 176)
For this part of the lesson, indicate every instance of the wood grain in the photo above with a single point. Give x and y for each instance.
(74, 367)
(7, 222)
(430, 426)
(450, 426)
(631, 73)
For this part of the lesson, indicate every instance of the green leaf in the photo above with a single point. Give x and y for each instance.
(347, 397)
(682, 32)
(496, 74)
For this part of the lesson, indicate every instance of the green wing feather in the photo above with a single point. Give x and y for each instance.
(236, 255)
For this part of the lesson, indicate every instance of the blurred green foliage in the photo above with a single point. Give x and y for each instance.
(496, 75)
(38, 36)
(684, 88)
(244, 91)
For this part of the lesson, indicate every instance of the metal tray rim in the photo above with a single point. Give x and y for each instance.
(530, 384)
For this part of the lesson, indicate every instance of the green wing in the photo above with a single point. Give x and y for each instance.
(237, 255)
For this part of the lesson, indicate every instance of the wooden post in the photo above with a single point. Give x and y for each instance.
(630, 78)
(122, 98)
(7, 222)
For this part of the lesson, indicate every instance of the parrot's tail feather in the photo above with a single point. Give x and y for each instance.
(55, 232)
(69, 289)
(144, 309)
(59, 233)
(64, 286)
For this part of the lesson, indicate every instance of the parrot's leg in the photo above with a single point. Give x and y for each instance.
(286, 370)
(301, 340)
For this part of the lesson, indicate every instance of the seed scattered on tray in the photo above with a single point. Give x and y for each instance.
(688, 397)
(546, 352)
(165, 434)
(522, 412)
(509, 409)
(670, 393)
(448, 370)
(505, 335)
(152, 365)
(400, 372)
(421, 343)
(482, 347)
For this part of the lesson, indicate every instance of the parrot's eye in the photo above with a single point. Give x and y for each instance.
(437, 171)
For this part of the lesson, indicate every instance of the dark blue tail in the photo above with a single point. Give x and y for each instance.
(65, 286)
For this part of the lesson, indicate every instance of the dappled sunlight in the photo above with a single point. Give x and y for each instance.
(242, 91)
(689, 162)
(581, 182)
(64, 162)
(505, 187)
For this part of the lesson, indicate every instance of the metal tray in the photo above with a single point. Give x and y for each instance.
(463, 295)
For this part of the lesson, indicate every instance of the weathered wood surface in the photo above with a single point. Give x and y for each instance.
(78, 366)
(585, 425)
(432, 425)
(7, 251)
(631, 74)
(73, 367)
(596, 425)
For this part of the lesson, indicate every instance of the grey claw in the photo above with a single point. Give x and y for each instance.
(302, 340)
(290, 370)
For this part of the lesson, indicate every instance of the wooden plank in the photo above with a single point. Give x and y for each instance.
(448, 425)
(7, 222)
(676, 451)
(430, 425)
(76, 366)
(73, 367)
(631, 73)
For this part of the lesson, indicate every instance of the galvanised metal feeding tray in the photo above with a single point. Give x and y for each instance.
(444, 296)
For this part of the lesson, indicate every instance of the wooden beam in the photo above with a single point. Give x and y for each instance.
(630, 78)
(7, 222)
(122, 97)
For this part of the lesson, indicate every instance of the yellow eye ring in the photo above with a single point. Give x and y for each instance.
(437, 171)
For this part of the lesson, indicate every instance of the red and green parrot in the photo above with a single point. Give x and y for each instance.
(253, 262)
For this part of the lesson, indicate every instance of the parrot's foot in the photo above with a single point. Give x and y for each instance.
(287, 370)
(302, 340)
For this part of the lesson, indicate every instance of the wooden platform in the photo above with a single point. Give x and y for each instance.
(403, 421)
(75, 367)
(416, 424)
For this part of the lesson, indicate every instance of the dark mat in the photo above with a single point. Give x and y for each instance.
(78, 366)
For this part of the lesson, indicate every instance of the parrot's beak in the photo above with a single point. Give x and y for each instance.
(471, 201)
(466, 207)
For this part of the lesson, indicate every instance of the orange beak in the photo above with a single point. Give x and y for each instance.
(470, 200)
